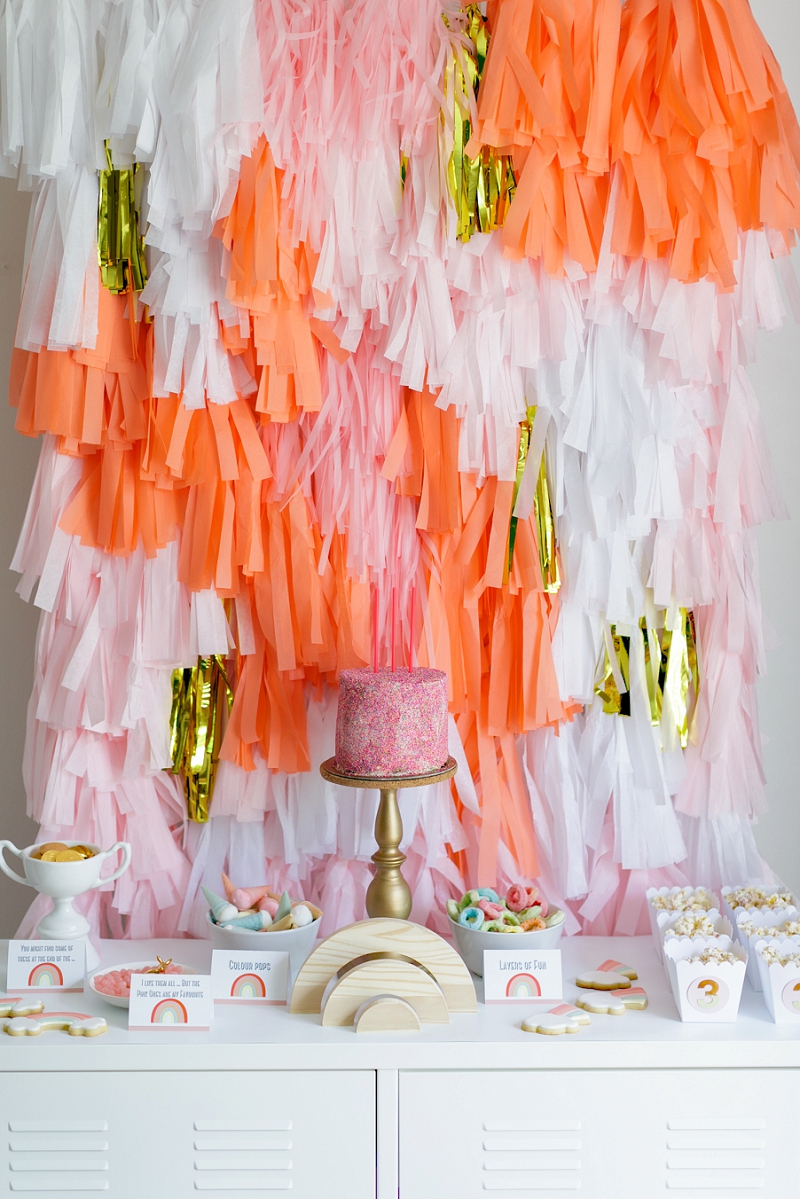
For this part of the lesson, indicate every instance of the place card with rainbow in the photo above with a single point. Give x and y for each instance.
(513, 976)
(46, 965)
(178, 1002)
(250, 977)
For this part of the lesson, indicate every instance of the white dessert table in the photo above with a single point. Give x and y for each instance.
(637, 1105)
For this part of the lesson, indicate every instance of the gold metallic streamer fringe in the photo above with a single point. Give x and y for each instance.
(542, 511)
(615, 701)
(201, 700)
(120, 247)
(482, 187)
(671, 671)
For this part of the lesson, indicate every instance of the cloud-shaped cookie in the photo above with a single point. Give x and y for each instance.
(612, 1003)
(74, 1023)
(562, 1019)
(20, 1007)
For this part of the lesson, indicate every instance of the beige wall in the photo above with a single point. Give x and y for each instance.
(18, 457)
(777, 381)
(776, 377)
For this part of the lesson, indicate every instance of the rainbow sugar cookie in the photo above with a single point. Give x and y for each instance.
(562, 1019)
(610, 976)
(76, 1024)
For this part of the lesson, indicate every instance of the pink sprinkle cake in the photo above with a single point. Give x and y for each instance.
(391, 722)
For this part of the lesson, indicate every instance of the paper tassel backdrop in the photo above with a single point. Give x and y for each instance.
(332, 310)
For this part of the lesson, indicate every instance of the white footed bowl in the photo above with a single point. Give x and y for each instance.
(471, 942)
(124, 1000)
(64, 880)
(297, 942)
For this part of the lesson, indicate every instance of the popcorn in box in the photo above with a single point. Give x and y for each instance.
(753, 927)
(755, 899)
(706, 975)
(664, 902)
(778, 961)
(696, 926)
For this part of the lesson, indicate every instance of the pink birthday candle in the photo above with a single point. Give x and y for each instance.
(411, 629)
(394, 626)
(375, 634)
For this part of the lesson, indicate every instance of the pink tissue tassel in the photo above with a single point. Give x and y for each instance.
(97, 740)
(351, 92)
(658, 473)
(310, 836)
(665, 476)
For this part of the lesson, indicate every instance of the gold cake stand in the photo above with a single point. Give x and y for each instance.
(388, 894)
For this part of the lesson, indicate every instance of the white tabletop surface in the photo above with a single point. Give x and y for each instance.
(259, 1038)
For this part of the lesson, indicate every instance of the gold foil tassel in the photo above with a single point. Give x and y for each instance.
(616, 699)
(671, 671)
(681, 683)
(120, 247)
(482, 187)
(525, 430)
(652, 670)
(542, 511)
(201, 699)
(546, 532)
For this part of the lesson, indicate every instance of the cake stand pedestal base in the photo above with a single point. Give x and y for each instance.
(388, 894)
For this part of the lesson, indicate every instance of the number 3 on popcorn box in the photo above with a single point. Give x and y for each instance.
(170, 1001)
(510, 977)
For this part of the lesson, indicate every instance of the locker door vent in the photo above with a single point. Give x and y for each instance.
(57, 1155)
(242, 1155)
(709, 1155)
(526, 1157)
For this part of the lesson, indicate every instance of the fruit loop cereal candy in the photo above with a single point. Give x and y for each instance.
(471, 917)
(523, 910)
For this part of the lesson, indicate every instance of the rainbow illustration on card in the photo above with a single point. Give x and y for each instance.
(169, 1011)
(523, 986)
(46, 974)
(248, 986)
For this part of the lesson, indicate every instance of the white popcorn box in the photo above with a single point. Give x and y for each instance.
(656, 913)
(722, 928)
(780, 984)
(705, 992)
(766, 918)
(755, 913)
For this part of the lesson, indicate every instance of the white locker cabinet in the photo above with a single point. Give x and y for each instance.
(189, 1133)
(632, 1107)
(646, 1134)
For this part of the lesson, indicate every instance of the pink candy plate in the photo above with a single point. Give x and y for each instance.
(135, 968)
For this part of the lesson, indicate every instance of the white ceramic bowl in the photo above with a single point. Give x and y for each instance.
(134, 967)
(65, 880)
(297, 942)
(471, 942)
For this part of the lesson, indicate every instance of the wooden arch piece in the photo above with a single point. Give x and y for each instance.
(398, 937)
(364, 978)
(386, 1013)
